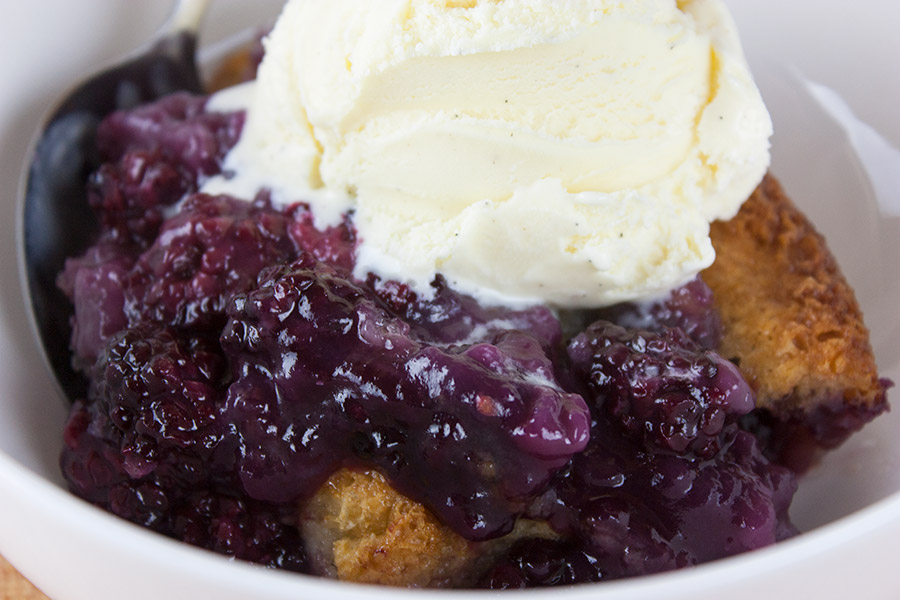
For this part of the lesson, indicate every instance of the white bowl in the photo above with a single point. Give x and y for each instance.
(824, 75)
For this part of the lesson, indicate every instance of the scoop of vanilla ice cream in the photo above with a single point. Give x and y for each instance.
(571, 152)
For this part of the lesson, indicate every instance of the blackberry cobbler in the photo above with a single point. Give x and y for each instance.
(249, 395)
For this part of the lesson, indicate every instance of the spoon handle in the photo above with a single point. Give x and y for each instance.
(187, 15)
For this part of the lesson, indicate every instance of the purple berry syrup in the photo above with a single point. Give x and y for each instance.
(235, 363)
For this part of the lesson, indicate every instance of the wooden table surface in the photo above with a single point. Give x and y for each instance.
(15, 587)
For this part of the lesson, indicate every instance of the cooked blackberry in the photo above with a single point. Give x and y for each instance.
(661, 386)
(325, 375)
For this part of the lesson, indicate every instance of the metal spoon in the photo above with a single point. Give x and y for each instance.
(56, 222)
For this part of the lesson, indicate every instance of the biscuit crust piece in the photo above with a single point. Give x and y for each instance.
(358, 528)
(237, 67)
(791, 321)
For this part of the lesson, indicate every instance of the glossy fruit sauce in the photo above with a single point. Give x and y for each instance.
(235, 364)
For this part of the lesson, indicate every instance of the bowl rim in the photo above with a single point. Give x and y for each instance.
(83, 518)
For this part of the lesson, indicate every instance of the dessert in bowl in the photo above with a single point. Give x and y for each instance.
(514, 353)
